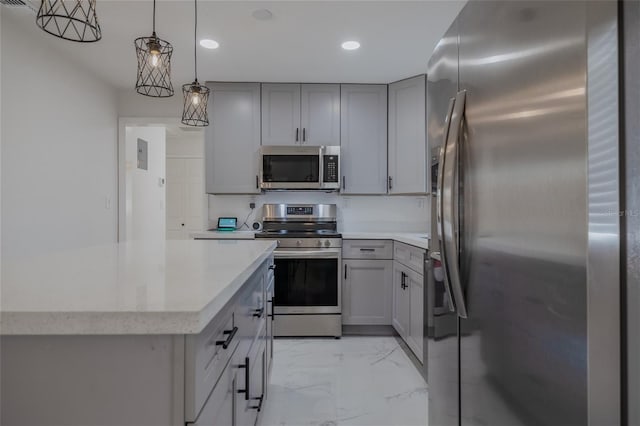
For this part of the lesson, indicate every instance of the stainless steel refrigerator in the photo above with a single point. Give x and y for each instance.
(523, 114)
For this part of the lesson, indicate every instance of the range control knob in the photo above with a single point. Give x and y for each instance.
(299, 243)
(319, 243)
(327, 243)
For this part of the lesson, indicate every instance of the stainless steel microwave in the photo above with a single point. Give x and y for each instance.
(300, 167)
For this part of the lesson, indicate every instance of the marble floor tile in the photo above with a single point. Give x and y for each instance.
(364, 381)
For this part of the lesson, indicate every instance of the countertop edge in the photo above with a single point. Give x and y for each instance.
(25, 323)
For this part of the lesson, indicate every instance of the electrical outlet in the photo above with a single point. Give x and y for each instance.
(107, 203)
(252, 206)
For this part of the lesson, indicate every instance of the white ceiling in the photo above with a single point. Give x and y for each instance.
(300, 44)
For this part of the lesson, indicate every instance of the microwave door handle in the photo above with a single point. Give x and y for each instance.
(450, 204)
(439, 204)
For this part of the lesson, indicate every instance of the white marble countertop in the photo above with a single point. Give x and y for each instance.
(420, 240)
(159, 287)
(224, 235)
(416, 239)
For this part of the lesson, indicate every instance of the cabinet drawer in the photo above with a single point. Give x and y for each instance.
(219, 409)
(367, 249)
(250, 311)
(412, 257)
(206, 356)
(250, 382)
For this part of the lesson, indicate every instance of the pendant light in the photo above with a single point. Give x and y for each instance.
(196, 95)
(73, 20)
(154, 64)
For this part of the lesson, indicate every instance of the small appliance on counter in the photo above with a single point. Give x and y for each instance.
(308, 282)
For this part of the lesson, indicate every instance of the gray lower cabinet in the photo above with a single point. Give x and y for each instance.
(363, 138)
(408, 296)
(218, 377)
(401, 300)
(407, 137)
(367, 292)
(232, 141)
(219, 409)
(415, 334)
(366, 284)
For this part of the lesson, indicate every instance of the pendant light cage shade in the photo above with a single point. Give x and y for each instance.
(196, 99)
(154, 67)
(73, 20)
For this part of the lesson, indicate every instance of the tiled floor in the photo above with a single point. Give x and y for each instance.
(367, 381)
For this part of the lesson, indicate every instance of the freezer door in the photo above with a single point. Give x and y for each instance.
(523, 348)
(441, 330)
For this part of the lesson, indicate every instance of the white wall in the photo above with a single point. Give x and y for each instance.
(186, 146)
(145, 209)
(131, 104)
(355, 213)
(59, 133)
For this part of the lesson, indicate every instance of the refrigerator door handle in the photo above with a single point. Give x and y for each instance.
(450, 193)
(439, 205)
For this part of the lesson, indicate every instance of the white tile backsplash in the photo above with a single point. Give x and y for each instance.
(355, 213)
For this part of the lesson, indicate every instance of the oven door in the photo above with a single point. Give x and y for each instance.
(291, 167)
(307, 281)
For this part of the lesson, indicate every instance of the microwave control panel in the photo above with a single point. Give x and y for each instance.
(331, 168)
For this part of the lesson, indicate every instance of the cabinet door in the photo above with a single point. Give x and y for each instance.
(281, 114)
(270, 318)
(407, 137)
(320, 114)
(233, 139)
(416, 314)
(186, 198)
(363, 138)
(401, 302)
(366, 292)
(219, 409)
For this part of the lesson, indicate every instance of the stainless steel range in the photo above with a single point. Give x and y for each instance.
(308, 282)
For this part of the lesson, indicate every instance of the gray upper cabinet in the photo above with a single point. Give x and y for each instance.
(300, 114)
(407, 137)
(281, 114)
(232, 141)
(320, 114)
(363, 137)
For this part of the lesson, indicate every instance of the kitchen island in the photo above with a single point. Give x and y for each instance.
(138, 333)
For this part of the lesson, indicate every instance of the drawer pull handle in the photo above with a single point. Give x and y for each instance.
(259, 406)
(230, 335)
(245, 391)
(272, 267)
(368, 249)
(257, 313)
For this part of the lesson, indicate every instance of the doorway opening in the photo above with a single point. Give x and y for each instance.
(161, 180)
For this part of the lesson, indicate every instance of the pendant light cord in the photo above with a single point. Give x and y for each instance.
(195, 38)
(154, 16)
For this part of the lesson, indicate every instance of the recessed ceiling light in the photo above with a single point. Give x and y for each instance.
(350, 45)
(262, 14)
(209, 44)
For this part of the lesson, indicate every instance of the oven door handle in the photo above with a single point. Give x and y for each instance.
(307, 254)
